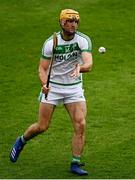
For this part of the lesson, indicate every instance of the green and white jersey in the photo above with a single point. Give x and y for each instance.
(66, 56)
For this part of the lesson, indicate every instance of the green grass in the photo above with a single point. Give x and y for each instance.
(109, 89)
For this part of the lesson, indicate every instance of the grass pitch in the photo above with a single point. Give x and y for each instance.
(109, 89)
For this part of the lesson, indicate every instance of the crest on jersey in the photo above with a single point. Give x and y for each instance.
(67, 48)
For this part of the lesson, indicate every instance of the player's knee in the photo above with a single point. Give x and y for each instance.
(80, 126)
(42, 128)
(38, 129)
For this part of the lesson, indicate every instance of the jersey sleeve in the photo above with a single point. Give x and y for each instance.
(47, 49)
(85, 44)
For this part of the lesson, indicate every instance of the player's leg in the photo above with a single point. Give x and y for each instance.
(77, 112)
(45, 114)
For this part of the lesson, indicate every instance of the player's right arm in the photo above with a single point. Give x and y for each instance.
(44, 64)
(43, 69)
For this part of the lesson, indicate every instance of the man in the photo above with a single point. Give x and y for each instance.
(72, 58)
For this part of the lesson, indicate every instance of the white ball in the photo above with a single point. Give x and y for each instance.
(102, 50)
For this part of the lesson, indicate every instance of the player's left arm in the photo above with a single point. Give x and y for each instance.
(86, 65)
(87, 62)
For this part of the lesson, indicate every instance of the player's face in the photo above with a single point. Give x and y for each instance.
(70, 26)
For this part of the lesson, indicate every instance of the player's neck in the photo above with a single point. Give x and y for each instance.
(66, 36)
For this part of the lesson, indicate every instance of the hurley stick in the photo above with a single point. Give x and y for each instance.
(55, 43)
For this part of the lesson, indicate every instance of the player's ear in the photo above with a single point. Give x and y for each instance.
(62, 22)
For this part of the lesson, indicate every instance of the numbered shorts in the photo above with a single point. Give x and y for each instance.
(60, 95)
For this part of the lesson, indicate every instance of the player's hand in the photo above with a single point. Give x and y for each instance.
(45, 90)
(76, 71)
